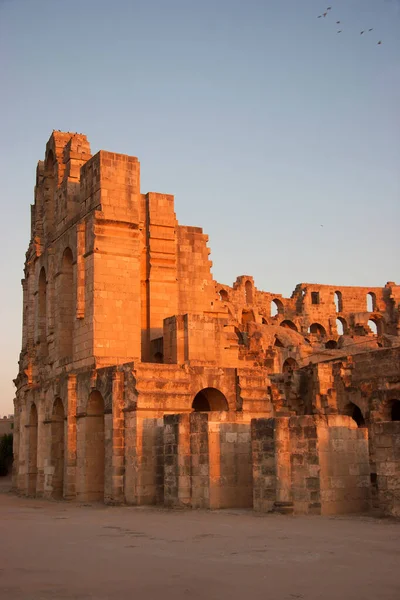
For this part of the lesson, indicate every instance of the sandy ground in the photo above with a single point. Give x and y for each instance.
(51, 550)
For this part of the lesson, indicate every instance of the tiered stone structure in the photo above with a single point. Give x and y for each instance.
(126, 334)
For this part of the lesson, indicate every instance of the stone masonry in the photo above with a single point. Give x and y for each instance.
(142, 380)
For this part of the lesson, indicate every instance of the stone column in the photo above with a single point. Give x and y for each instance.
(118, 438)
(177, 481)
(70, 455)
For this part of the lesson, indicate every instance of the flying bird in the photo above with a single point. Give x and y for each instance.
(340, 31)
(361, 32)
(371, 29)
(337, 22)
(324, 14)
(379, 42)
(329, 8)
(319, 16)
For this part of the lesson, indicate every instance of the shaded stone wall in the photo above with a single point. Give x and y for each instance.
(311, 465)
(207, 461)
(386, 437)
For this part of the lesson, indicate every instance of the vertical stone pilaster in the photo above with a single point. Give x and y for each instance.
(16, 445)
(70, 455)
(80, 270)
(118, 438)
(177, 484)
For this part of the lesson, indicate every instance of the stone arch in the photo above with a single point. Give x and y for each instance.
(276, 307)
(94, 464)
(289, 365)
(32, 450)
(210, 399)
(354, 411)
(248, 292)
(338, 299)
(58, 448)
(65, 301)
(371, 302)
(375, 324)
(42, 312)
(223, 296)
(288, 324)
(395, 410)
(317, 329)
(341, 326)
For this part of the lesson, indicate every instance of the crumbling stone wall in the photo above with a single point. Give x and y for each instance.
(386, 436)
(310, 465)
(123, 325)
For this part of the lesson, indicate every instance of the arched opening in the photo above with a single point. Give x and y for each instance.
(353, 411)
(371, 302)
(248, 290)
(223, 295)
(289, 365)
(247, 316)
(276, 308)
(373, 326)
(395, 410)
(42, 312)
(288, 324)
(331, 344)
(278, 343)
(32, 453)
(209, 399)
(317, 329)
(158, 357)
(57, 448)
(341, 326)
(338, 301)
(66, 306)
(264, 321)
(94, 447)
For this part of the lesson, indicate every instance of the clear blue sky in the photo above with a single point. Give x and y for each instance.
(261, 119)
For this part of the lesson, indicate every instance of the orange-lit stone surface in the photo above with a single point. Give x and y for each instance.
(126, 333)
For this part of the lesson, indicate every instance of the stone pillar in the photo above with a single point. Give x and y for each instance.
(70, 456)
(271, 465)
(143, 481)
(43, 446)
(80, 269)
(16, 448)
(130, 470)
(200, 460)
(118, 438)
(177, 488)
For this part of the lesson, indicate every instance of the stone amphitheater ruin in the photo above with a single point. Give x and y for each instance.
(142, 380)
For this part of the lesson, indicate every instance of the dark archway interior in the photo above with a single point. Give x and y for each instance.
(331, 344)
(356, 414)
(395, 412)
(209, 399)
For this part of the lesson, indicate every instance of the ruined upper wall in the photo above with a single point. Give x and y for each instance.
(321, 310)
